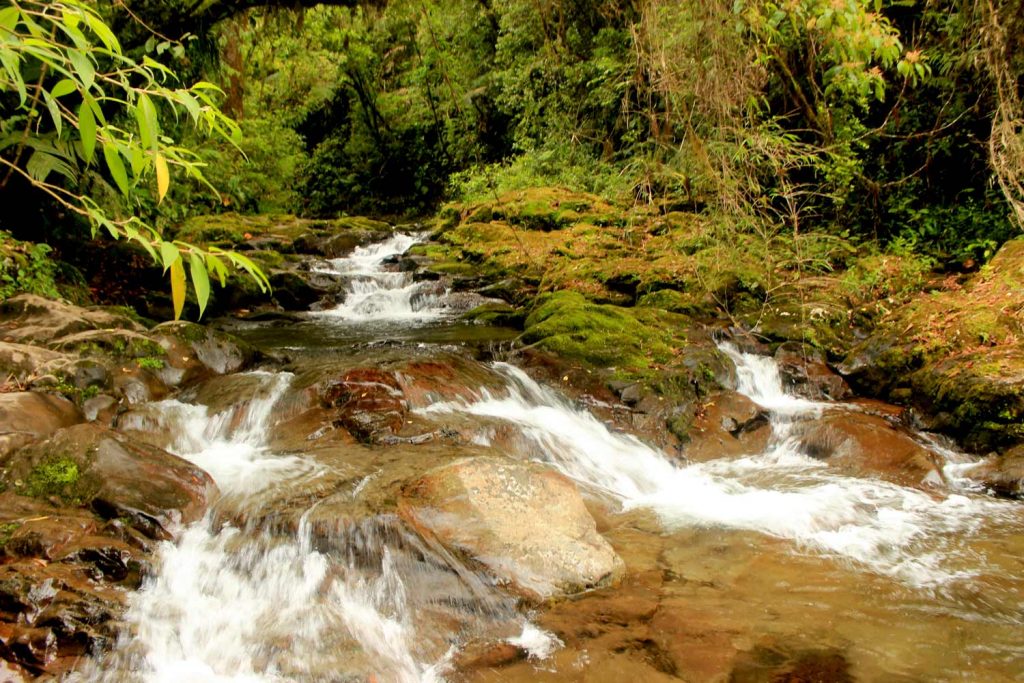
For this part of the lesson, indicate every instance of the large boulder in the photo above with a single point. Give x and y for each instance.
(28, 416)
(91, 466)
(28, 319)
(526, 524)
(862, 444)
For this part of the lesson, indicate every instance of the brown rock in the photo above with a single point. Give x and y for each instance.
(27, 416)
(868, 444)
(804, 372)
(23, 362)
(525, 523)
(369, 403)
(115, 476)
(28, 319)
(729, 425)
(1003, 474)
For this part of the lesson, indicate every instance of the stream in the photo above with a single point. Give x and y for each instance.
(742, 568)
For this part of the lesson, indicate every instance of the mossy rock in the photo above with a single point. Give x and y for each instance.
(566, 324)
(498, 314)
(90, 466)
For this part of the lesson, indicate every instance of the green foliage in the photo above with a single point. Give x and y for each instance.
(72, 96)
(26, 268)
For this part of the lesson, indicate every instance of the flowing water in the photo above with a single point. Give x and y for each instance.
(377, 295)
(743, 561)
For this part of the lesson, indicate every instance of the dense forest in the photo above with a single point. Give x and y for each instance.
(513, 340)
(891, 124)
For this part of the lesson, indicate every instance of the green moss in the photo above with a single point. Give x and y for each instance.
(150, 363)
(7, 530)
(54, 476)
(567, 324)
(502, 315)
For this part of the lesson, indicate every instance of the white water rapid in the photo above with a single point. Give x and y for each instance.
(230, 604)
(376, 294)
(908, 534)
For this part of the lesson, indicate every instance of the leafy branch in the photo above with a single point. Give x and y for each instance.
(80, 98)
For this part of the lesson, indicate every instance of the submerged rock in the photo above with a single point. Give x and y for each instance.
(526, 524)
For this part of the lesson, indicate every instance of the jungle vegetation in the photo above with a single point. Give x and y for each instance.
(892, 122)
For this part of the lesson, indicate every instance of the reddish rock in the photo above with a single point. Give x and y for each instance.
(867, 444)
(369, 403)
(805, 373)
(728, 425)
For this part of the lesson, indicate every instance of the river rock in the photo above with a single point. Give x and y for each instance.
(369, 403)
(867, 444)
(805, 373)
(195, 351)
(22, 363)
(27, 416)
(525, 523)
(1002, 474)
(29, 319)
(728, 425)
(88, 465)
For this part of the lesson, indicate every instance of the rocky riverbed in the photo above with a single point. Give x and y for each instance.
(659, 496)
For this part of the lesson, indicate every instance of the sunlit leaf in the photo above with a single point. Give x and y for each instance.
(163, 177)
(200, 280)
(178, 288)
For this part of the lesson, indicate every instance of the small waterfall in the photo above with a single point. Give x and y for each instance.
(229, 604)
(905, 533)
(376, 294)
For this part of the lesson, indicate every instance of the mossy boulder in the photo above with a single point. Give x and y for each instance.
(955, 354)
(90, 466)
(603, 335)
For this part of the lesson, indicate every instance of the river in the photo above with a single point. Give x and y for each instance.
(771, 566)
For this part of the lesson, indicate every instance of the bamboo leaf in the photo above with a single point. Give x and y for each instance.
(64, 87)
(51, 105)
(149, 126)
(116, 166)
(87, 131)
(163, 181)
(178, 288)
(200, 280)
(169, 254)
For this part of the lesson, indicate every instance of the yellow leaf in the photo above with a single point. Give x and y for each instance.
(163, 177)
(178, 288)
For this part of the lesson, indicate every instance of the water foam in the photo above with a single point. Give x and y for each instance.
(905, 533)
(229, 605)
(376, 294)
